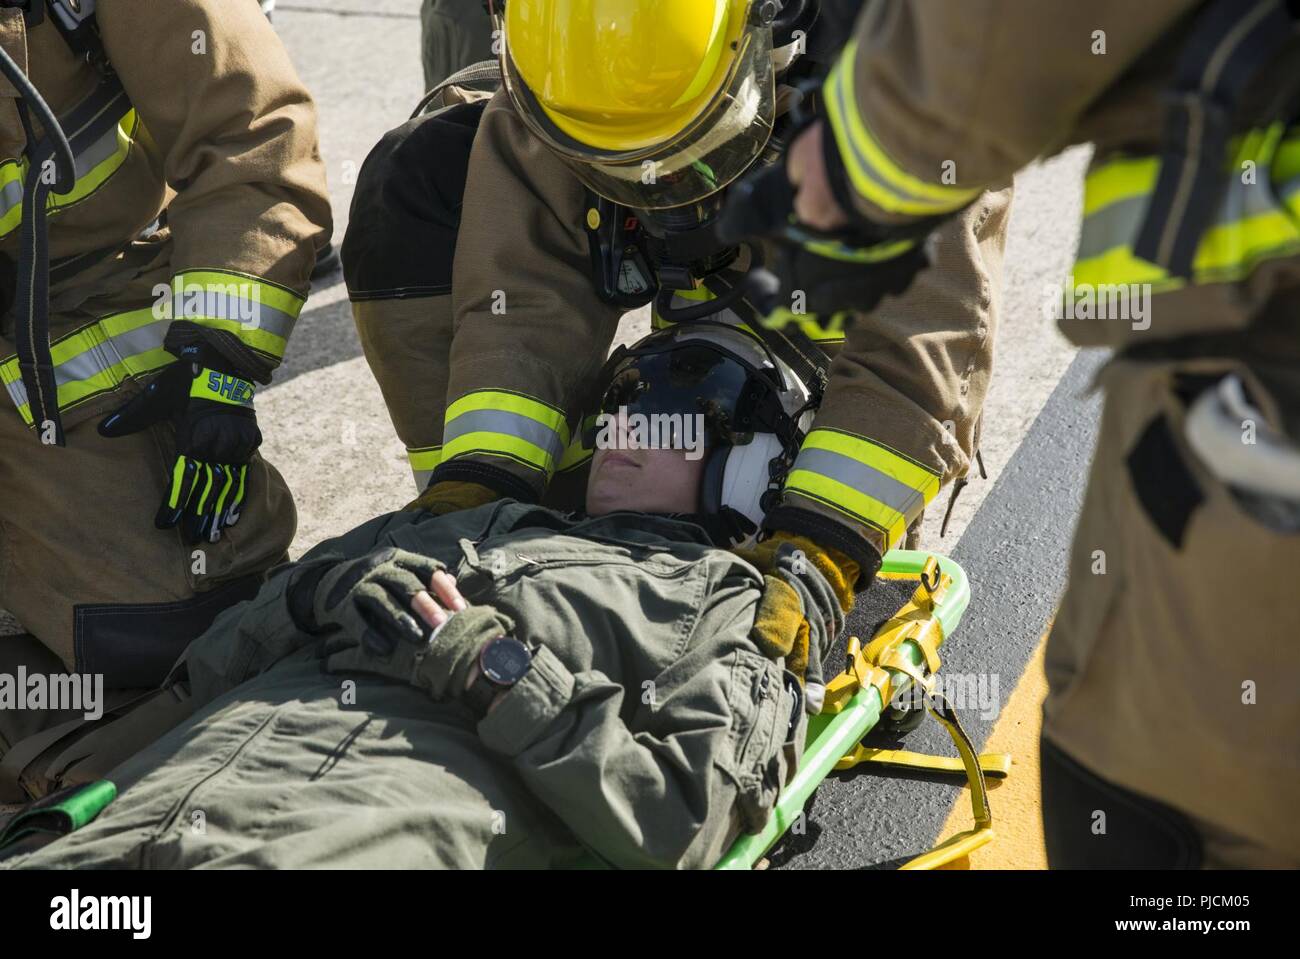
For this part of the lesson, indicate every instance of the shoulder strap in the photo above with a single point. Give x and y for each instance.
(75, 20)
(484, 75)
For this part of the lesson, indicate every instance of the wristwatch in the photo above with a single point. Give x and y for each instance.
(502, 662)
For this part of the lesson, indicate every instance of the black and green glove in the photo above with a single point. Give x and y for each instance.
(439, 665)
(367, 601)
(216, 436)
(816, 280)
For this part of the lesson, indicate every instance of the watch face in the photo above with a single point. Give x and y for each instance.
(505, 660)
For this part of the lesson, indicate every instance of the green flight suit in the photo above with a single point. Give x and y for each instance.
(649, 731)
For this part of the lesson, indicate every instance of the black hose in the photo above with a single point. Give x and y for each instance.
(67, 164)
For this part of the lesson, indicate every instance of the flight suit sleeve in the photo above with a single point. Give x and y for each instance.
(902, 407)
(723, 737)
(928, 106)
(235, 132)
(530, 333)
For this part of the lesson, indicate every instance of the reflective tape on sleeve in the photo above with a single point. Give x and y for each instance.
(260, 313)
(873, 173)
(507, 424)
(864, 479)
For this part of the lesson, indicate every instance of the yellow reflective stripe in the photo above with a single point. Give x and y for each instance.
(1286, 164)
(266, 312)
(1114, 205)
(97, 358)
(575, 454)
(1119, 179)
(863, 479)
(268, 294)
(94, 178)
(14, 172)
(500, 400)
(873, 173)
(11, 189)
(425, 460)
(1120, 262)
(1236, 247)
(879, 457)
(809, 324)
(847, 500)
(178, 475)
(499, 444)
(502, 423)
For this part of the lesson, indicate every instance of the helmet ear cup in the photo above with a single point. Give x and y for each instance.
(746, 476)
(715, 471)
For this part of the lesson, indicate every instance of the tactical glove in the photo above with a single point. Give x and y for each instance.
(367, 600)
(782, 627)
(450, 496)
(216, 436)
(816, 279)
(439, 665)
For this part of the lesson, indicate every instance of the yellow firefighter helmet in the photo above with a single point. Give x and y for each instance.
(653, 103)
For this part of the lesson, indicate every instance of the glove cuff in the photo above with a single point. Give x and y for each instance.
(455, 647)
(858, 558)
(450, 496)
(217, 350)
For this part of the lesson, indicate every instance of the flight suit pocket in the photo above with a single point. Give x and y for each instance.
(764, 720)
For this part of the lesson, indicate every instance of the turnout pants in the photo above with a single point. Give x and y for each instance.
(1173, 710)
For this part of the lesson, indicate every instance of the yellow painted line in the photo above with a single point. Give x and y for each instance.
(1015, 801)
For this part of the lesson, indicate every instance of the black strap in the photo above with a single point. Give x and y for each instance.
(808, 360)
(75, 21)
(92, 118)
(1230, 43)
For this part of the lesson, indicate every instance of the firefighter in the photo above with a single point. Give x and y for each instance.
(453, 35)
(494, 245)
(1170, 728)
(156, 241)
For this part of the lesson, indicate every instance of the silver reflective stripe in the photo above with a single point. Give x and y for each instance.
(223, 304)
(11, 195)
(100, 358)
(1117, 225)
(842, 84)
(96, 153)
(17, 393)
(863, 478)
(511, 424)
(421, 479)
(112, 351)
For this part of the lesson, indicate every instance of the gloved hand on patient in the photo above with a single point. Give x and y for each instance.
(383, 619)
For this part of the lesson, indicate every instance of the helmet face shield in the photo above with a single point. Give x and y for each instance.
(676, 374)
(710, 151)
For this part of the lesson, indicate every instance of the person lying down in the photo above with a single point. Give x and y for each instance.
(626, 714)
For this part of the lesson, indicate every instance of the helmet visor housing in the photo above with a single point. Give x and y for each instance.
(699, 382)
(709, 151)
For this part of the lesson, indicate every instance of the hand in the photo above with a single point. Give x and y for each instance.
(435, 615)
(827, 578)
(814, 201)
(368, 599)
(216, 436)
(436, 649)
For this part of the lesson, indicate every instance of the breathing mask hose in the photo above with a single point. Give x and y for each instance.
(67, 165)
(32, 289)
